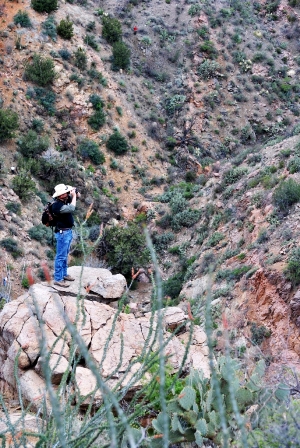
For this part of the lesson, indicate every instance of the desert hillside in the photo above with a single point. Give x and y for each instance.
(180, 117)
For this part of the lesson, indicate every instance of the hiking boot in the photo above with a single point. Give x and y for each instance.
(61, 283)
(68, 278)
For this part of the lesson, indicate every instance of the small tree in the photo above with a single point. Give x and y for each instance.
(124, 248)
(80, 59)
(117, 143)
(9, 122)
(65, 29)
(44, 5)
(23, 185)
(111, 29)
(40, 70)
(121, 55)
(32, 144)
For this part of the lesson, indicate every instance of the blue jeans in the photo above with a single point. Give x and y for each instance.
(63, 243)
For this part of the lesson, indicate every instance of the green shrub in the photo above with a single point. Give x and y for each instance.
(96, 101)
(94, 232)
(43, 197)
(233, 175)
(121, 55)
(14, 207)
(162, 242)
(124, 248)
(294, 165)
(49, 28)
(94, 74)
(215, 239)
(259, 333)
(50, 254)
(25, 282)
(186, 218)
(97, 120)
(203, 32)
(177, 202)
(40, 233)
(232, 274)
(292, 270)
(22, 18)
(91, 41)
(88, 149)
(171, 142)
(271, 7)
(12, 247)
(44, 5)
(80, 59)
(278, 427)
(32, 144)
(173, 285)
(65, 29)
(117, 143)
(208, 69)
(111, 29)
(76, 78)
(263, 236)
(37, 125)
(194, 10)
(40, 70)
(23, 185)
(44, 97)
(91, 26)
(174, 103)
(119, 110)
(9, 122)
(258, 57)
(165, 221)
(209, 48)
(286, 194)
(247, 134)
(53, 167)
(240, 56)
(65, 54)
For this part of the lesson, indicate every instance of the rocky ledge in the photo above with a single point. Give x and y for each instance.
(114, 340)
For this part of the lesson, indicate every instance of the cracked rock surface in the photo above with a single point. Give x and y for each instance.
(114, 341)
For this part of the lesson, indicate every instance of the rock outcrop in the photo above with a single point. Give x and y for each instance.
(95, 283)
(38, 325)
(268, 303)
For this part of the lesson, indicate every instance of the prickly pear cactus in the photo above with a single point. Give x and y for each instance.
(194, 414)
(187, 397)
(243, 397)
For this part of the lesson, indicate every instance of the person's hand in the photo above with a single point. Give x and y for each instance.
(78, 195)
(73, 192)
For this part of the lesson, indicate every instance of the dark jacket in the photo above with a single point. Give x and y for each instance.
(63, 213)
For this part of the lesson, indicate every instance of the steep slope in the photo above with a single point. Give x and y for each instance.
(209, 109)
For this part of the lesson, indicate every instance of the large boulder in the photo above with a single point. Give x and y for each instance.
(95, 283)
(41, 329)
(24, 425)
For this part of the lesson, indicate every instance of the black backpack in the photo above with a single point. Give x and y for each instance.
(49, 219)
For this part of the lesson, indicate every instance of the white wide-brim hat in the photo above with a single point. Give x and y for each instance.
(61, 189)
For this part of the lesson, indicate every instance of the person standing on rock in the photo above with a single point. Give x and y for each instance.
(63, 208)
